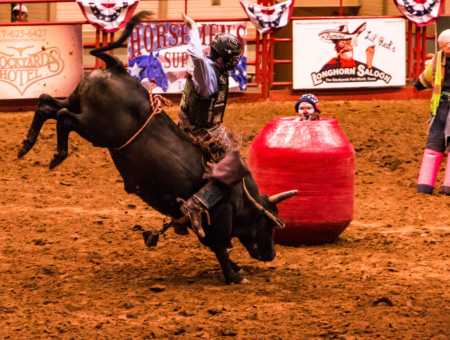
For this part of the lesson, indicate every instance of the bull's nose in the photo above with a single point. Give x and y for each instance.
(269, 256)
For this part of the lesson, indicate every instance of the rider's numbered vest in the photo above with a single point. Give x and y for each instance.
(205, 111)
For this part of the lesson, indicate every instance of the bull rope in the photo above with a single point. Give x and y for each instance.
(279, 222)
(212, 146)
(155, 101)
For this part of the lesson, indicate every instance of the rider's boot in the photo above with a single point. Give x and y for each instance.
(428, 171)
(206, 198)
(193, 209)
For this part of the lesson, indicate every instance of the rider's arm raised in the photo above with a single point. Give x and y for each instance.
(205, 80)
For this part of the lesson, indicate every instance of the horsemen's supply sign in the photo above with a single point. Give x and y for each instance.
(159, 51)
(348, 53)
(40, 59)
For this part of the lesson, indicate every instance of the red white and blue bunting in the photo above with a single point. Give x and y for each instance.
(420, 12)
(108, 15)
(268, 19)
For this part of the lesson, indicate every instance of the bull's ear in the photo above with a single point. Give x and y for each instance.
(282, 196)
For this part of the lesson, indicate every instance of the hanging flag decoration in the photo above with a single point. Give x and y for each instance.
(268, 19)
(108, 15)
(420, 12)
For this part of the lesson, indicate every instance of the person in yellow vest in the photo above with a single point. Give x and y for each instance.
(437, 77)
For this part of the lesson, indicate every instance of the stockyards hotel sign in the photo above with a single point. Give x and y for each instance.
(159, 51)
(349, 53)
(38, 59)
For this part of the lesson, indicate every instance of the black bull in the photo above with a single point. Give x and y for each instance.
(160, 164)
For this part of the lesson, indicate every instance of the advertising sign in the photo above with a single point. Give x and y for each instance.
(40, 59)
(349, 53)
(159, 51)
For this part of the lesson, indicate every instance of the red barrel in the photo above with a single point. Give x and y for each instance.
(316, 158)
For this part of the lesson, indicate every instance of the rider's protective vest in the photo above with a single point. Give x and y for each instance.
(201, 111)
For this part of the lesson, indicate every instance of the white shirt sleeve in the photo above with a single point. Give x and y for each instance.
(203, 75)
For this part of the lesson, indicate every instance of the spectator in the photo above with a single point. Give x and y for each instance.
(19, 13)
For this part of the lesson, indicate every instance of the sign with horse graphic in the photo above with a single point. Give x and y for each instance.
(159, 51)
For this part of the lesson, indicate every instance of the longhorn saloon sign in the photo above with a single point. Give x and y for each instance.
(38, 59)
(348, 53)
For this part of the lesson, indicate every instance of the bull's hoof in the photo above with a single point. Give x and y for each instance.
(24, 147)
(239, 281)
(57, 159)
(235, 279)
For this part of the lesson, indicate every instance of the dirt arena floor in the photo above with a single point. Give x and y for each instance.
(73, 264)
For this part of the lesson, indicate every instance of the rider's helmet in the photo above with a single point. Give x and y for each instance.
(228, 47)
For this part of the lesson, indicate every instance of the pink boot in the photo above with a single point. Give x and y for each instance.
(446, 185)
(428, 171)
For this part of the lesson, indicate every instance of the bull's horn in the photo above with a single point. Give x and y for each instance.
(282, 196)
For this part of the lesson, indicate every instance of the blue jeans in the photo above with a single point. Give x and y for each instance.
(436, 134)
(211, 193)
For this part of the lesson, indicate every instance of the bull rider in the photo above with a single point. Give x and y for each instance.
(201, 114)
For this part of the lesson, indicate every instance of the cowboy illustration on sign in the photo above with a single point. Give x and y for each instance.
(343, 68)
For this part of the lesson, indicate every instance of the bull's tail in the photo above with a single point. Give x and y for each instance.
(110, 60)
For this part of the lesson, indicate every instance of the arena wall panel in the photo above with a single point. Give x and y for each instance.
(377, 7)
(5, 13)
(37, 12)
(70, 11)
(328, 3)
(148, 6)
(392, 9)
(372, 7)
(204, 9)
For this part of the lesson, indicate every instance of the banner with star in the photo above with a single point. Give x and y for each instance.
(108, 15)
(420, 12)
(159, 51)
(268, 19)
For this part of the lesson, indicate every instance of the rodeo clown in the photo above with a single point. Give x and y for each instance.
(201, 113)
(436, 76)
(307, 107)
